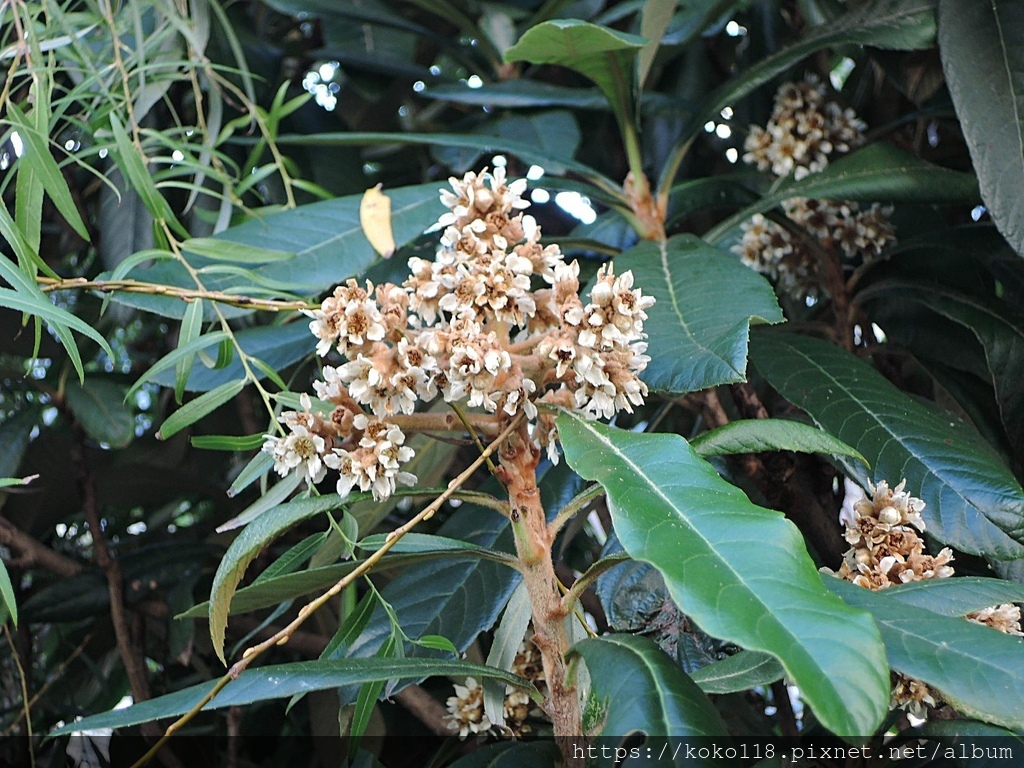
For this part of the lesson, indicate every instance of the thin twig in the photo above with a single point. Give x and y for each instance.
(35, 552)
(603, 565)
(24, 694)
(42, 691)
(48, 284)
(281, 637)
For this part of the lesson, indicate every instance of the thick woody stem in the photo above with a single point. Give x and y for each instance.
(518, 470)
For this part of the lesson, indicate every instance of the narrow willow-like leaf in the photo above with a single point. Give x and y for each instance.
(890, 24)
(99, 406)
(997, 327)
(7, 591)
(227, 442)
(244, 549)
(194, 410)
(191, 328)
(169, 361)
(757, 435)
(283, 680)
(645, 692)
(980, 43)
(979, 670)
(739, 672)
(697, 333)
(973, 502)
(37, 153)
(741, 572)
(507, 638)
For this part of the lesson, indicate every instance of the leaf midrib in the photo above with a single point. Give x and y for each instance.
(663, 252)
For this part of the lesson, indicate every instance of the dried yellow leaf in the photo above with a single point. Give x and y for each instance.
(375, 219)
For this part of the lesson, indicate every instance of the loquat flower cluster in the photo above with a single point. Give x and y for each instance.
(805, 131)
(466, 708)
(886, 550)
(495, 320)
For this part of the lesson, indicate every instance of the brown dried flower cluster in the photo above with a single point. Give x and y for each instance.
(466, 708)
(495, 319)
(886, 550)
(805, 130)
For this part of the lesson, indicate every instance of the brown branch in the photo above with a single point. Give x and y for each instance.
(49, 284)
(131, 657)
(35, 553)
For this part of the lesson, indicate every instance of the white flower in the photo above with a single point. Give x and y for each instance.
(300, 448)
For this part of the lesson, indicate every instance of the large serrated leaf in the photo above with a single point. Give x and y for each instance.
(741, 572)
(697, 333)
(877, 173)
(283, 680)
(738, 672)
(602, 54)
(645, 692)
(980, 44)
(959, 596)
(979, 670)
(973, 502)
(891, 24)
(998, 329)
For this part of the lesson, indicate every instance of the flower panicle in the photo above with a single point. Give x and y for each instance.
(495, 320)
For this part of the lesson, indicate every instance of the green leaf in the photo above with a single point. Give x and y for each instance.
(130, 161)
(973, 502)
(889, 24)
(517, 94)
(601, 54)
(644, 691)
(170, 360)
(283, 680)
(271, 591)
(739, 672)
(671, 509)
(191, 329)
(655, 16)
(507, 639)
(757, 435)
(45, 168)
(697, 333)
(957, 596)
(977, 669)
(244, 549)
(7, 589)
(227, 442)
(998, 329)
(221, 249)
(980, 43)
(196, 409)
(554, 133)
(877, 173)
(98, 405)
